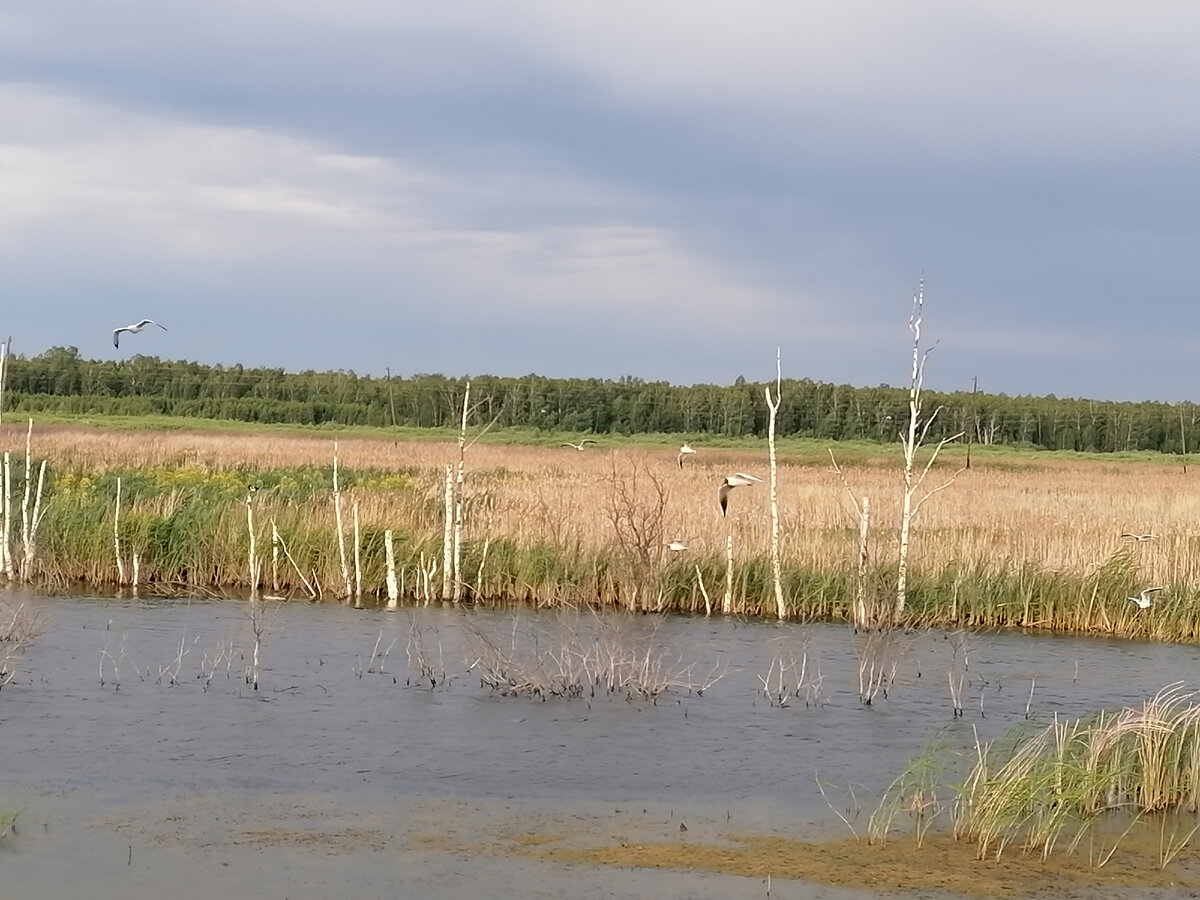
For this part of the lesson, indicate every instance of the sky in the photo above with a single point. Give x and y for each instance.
(671, 189)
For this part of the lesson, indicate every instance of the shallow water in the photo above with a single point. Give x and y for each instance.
(333, 780)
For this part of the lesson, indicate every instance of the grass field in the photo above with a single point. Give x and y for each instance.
(1021, 538)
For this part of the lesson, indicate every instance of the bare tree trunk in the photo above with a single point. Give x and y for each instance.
(727, 605)
(6, 528)
(703, 592)
(31, 540)
(341, 535)
(458, 495)
(448, 537)
(487, 542)
(861, 616)
(390, 551)
(25, 498)
(274, 559)
(911, 441)
(117, 536)
(773, 406)
(253, 561)
(357, 559)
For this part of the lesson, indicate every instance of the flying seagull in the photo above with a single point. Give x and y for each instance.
(1140, 537)
(685, 450)
(580, 445)
(737, 479)
(133, 329)
(1143, 600)
(677, 546)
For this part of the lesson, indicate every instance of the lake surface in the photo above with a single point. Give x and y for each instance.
(347, 775)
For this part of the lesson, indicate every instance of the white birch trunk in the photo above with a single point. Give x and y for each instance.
(25, 497)
(448, 537)
(487, 542)
(727, 605)
(274, 559)
(31, 541)
(357, 558)
(341, 533)
(117, 536)
(458, 496)
(390, 550)
(6, 527)
(861, 615)
(776, 570)
(253, 555)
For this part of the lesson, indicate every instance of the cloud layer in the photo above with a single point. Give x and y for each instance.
(590, 189)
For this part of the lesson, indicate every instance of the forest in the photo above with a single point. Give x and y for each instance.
(60, 381)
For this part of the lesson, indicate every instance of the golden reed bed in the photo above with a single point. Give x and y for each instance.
(1054, 513)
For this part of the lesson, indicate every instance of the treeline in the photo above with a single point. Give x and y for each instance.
(61, 381)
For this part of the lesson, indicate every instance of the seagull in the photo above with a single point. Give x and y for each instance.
(1140, 537)
(580, 445)
(677, 546)
(1142, 600)
(737, 479)
(133, 329)
(685, 450)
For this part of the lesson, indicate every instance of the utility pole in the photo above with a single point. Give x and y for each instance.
(391, 398)
(974, 423)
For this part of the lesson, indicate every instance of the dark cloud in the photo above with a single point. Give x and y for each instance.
(539, 174)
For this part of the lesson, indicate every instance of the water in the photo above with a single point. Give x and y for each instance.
(332, 779)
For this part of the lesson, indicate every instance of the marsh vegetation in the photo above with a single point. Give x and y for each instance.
(1032, 541)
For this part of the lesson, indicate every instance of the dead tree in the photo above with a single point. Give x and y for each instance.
(773, 407)
(862, 616)
(911, 440)
(341, 533)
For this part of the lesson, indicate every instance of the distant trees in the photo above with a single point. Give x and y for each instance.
(60, 380)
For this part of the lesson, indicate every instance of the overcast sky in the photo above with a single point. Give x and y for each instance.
(661, 189)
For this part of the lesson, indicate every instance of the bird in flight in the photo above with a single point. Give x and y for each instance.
(737, 479)
(1140, 537)
(580, 445)
(685, 450)
(133, 329)
(1143, 600)
(677, 546)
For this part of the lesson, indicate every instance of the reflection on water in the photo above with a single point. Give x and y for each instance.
(327, 728)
